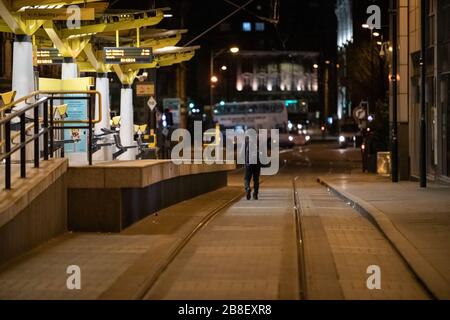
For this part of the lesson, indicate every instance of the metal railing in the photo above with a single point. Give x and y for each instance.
(45, 101)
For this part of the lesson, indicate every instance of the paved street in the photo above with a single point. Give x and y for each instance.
(416, 220)
(340, 243)
(246, 251)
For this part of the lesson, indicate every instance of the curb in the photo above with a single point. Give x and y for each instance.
(430, 278)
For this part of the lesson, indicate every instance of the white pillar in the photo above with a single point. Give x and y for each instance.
(102, 86)
(69, 69)
(23, 81)
(127, 122)
(22, 73)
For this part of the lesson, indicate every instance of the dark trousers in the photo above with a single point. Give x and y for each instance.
(252, 171)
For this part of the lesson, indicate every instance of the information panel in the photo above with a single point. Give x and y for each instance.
(124, 55)
(58, 14)
(77, 110)
(145, 89)
(48, 56)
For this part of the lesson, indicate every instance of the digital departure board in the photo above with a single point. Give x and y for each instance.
(49, 56)
(124, 55)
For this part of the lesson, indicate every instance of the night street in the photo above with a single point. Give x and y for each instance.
(225, 159)
(247, 250)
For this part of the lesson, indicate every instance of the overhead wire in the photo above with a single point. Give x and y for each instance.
(219, 22)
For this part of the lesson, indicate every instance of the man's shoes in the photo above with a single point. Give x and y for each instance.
(255, 196)
(249, 195)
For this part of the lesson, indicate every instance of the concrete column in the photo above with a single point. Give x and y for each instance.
(102, 86)
(127, 122)
(22, 73)
(23, 82)
(69, 69)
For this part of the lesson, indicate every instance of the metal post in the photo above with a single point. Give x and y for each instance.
(90, 105)
(23, 160)
(423, 123)
(52, 123)
(8, 158)
(211, 74)
(36, 133)
(45, 115)
(394, 135)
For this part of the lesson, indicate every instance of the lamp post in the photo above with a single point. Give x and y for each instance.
(373, 34)
(213, 79)
(423, 123)
(394, 128)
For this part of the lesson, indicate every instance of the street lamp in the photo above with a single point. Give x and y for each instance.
(423, 106)
(214, 78)
(372, 64)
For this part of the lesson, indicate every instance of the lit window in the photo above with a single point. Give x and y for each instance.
(246, 26)
(260, 26)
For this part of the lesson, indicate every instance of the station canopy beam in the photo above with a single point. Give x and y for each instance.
(162, 58)
(92, 58)
(71, 41)
(148, 37)
(117, 22)
(12, 21)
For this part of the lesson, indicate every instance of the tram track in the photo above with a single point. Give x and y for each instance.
(309, 174)
(201, 225)
(302, 279)
(151, 282)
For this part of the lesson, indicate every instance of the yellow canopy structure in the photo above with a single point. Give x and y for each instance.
(12, 21)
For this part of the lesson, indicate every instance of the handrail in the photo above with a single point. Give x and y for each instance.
(22, 111)
(17, 134)
(13, 104)
(46, 132)
(22, 99)
(48, 127)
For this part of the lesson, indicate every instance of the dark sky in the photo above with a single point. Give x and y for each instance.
(304, 24)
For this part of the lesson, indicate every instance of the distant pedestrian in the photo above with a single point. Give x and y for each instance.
(252, 167)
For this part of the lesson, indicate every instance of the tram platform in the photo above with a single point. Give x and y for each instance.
(105, 197)
(113, 266)
(35, 209)
(253, 242)
(218, 245)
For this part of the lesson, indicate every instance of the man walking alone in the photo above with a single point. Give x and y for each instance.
(252, 167)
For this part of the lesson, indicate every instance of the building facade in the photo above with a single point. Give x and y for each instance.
(273, 75)
(361, 68)
(437, 95)
(344, 15)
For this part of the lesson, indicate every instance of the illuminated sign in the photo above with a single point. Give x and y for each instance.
(124, 55)
(145, 89)
(58, 14)
(49, 56)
